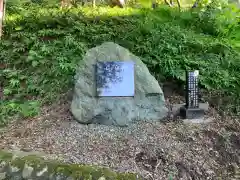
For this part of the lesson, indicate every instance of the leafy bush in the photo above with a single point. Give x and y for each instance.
(218, 20)
(42, 47)
(14, 6)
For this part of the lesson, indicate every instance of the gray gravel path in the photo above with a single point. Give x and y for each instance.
(154, 150)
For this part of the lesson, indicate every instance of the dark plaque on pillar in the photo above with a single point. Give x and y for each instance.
(191, 110)
(192, 89)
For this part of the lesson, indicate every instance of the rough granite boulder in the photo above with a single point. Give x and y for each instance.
(148, 103)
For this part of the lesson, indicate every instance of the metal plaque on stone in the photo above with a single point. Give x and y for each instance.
(115, 78)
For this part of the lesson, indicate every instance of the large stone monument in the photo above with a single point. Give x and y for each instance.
(114, 87)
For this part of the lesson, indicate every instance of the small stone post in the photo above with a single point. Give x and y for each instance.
(191, 110)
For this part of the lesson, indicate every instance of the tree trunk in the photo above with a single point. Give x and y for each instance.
(170, 3)
(4, 8)
(196, 3)
(1, 16)
(154, 4)
(121, 3)
(65, 3)
(179, 4)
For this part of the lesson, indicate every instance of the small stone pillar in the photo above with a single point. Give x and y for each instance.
(191, 110)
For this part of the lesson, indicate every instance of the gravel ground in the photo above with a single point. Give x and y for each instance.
(154, 150)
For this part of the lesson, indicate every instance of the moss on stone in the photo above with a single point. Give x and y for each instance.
(5, 156)
(85, 172)
(90, 172)
(129, 176)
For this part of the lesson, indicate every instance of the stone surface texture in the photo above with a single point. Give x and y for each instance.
(29, 166)
(27, 171)
(147, 104)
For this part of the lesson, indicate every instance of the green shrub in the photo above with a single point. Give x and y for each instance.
(14, 6)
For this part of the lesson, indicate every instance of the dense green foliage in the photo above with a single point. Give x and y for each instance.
(42, 46)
